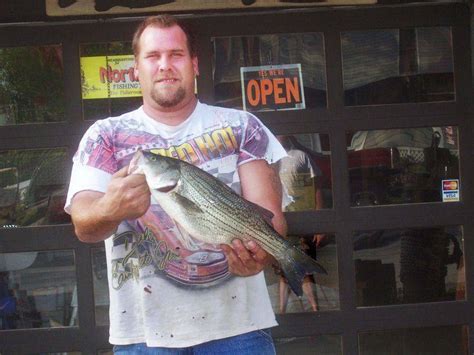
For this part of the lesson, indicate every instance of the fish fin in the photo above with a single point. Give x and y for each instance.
(187, 204)
(267, 215)
(296, 265)
(191, 208)
(187, 239)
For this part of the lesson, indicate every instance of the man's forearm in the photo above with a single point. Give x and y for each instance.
(97, 215)
(90, 224)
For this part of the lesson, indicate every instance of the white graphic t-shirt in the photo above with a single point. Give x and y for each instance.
(165, 291)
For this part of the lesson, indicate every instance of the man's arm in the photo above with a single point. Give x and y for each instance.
(97, 215)
(260, 184)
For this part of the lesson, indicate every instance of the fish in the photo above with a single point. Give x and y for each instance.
(211, 212)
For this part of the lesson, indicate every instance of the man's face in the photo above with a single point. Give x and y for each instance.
(165, 68)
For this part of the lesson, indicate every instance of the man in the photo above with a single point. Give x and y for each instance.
(168, 296)
(300, 178)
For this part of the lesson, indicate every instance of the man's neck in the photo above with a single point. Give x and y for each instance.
(172, 116)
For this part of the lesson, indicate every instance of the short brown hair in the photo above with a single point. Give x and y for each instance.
(163, 21)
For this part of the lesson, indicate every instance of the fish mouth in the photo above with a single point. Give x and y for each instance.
(167, 188)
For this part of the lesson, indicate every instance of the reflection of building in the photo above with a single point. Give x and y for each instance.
(402, 165)
(398, 65)
(408, 265)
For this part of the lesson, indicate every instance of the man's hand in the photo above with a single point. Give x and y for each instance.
(261, 185)
(96, 215)
(246, 260)
(127, 196)
(318, 239)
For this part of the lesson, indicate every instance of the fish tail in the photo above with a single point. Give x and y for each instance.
(295, 265)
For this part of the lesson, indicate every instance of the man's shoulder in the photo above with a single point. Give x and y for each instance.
(130, 115)
(226, 113)
(222, 110)
(127, 118)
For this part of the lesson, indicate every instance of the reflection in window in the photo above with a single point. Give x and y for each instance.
(320, 292)
(233, 53)
(101, 289)
(33, 187)
(407, 165)
(109, 86)
(36, 289)
(306, 172)
(321, 344)
(398, 66)
(409, 266)
(445, 340)
(31, 85)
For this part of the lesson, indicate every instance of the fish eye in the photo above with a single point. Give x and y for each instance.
(152, 158)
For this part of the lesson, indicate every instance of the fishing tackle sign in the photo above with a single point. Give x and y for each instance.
(272, 88)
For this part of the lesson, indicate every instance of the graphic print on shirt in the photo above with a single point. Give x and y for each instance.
(155, 246)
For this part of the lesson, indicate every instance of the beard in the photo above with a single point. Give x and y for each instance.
(168, 99)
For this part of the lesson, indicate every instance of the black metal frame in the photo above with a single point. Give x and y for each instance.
(334, 120)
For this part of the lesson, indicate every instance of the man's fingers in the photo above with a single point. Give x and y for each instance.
(245, 260)
(142, 190)
(122, 172)
(233, 260)
(257, 252)
(135, 180)
(242, 251)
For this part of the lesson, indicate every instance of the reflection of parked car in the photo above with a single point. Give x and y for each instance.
(370, 171)
(48, 187)
(9, 192)
(400, 166)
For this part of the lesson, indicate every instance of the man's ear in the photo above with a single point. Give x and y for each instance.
(135, 69)
(195, 65)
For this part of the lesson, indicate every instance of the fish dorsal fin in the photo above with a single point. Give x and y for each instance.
(267, 215)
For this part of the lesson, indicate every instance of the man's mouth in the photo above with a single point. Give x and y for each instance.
(167, 80)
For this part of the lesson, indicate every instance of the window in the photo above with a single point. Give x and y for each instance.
(265, 55)
(37, 289)
(109, 85)
(397, 66)
(434, 341)
(306, 172)
(408, 165)
(33, 187)
(320, 292)
(410, 265)
(31, 85)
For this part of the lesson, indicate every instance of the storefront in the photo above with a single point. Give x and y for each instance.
(378, 98)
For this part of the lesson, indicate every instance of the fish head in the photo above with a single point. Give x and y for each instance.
(162, 173)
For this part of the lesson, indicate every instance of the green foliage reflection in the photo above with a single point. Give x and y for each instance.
(31, 85)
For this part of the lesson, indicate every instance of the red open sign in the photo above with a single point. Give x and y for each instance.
(272, 88)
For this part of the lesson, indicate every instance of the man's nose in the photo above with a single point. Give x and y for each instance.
(164, 63)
